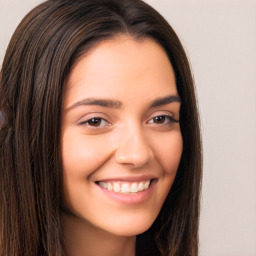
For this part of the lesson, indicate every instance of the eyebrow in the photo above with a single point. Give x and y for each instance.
(165, 100)
(110, 103)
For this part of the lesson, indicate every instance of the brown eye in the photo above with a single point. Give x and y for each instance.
(96, 122)
(162, 120)
(159, 119)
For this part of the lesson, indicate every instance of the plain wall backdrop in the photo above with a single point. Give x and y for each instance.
(220, 39)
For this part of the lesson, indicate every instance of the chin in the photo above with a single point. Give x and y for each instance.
(128, 225)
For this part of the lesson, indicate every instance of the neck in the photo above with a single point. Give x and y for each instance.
(83, 239)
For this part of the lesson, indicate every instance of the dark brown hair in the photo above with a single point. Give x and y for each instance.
(39, 58)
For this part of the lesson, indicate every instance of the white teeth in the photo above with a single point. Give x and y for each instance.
(140, 186)
(146, 185)
(134, 188)
(125, 187)
(116, 187)
(109, 186)
(103, 184)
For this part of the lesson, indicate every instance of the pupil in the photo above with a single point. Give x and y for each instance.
(159, 119)
(94, 122)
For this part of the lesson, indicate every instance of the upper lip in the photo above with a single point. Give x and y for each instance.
(128, 178)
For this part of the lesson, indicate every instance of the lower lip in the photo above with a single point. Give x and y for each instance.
(136, 198)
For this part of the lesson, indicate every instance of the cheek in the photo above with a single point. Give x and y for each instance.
(168, 150)
(81, 154)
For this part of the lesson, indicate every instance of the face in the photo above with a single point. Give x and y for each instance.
(121, 142)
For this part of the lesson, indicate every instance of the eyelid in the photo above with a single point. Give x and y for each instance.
(82, 121)
(92, 115)
(170, 117)
(166, 113)
(96, 117)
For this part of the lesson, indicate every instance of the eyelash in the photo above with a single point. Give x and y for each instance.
(86, 122)
(171, 120)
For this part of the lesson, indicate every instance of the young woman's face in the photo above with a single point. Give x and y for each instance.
(121, 142)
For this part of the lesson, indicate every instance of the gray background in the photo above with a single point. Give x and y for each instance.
(220, 39)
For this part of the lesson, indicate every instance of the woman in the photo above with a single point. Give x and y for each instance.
(100, 146)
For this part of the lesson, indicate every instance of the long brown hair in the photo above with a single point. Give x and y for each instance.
(38, 60)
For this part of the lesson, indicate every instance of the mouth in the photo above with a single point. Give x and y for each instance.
(127, 190)
(124, 187)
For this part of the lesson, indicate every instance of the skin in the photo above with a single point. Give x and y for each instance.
(128, 139)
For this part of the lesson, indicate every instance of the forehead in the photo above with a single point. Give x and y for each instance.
(122, 67)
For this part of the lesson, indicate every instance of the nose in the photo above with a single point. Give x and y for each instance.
(133, 148)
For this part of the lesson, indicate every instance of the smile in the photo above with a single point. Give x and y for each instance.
(125, 187)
